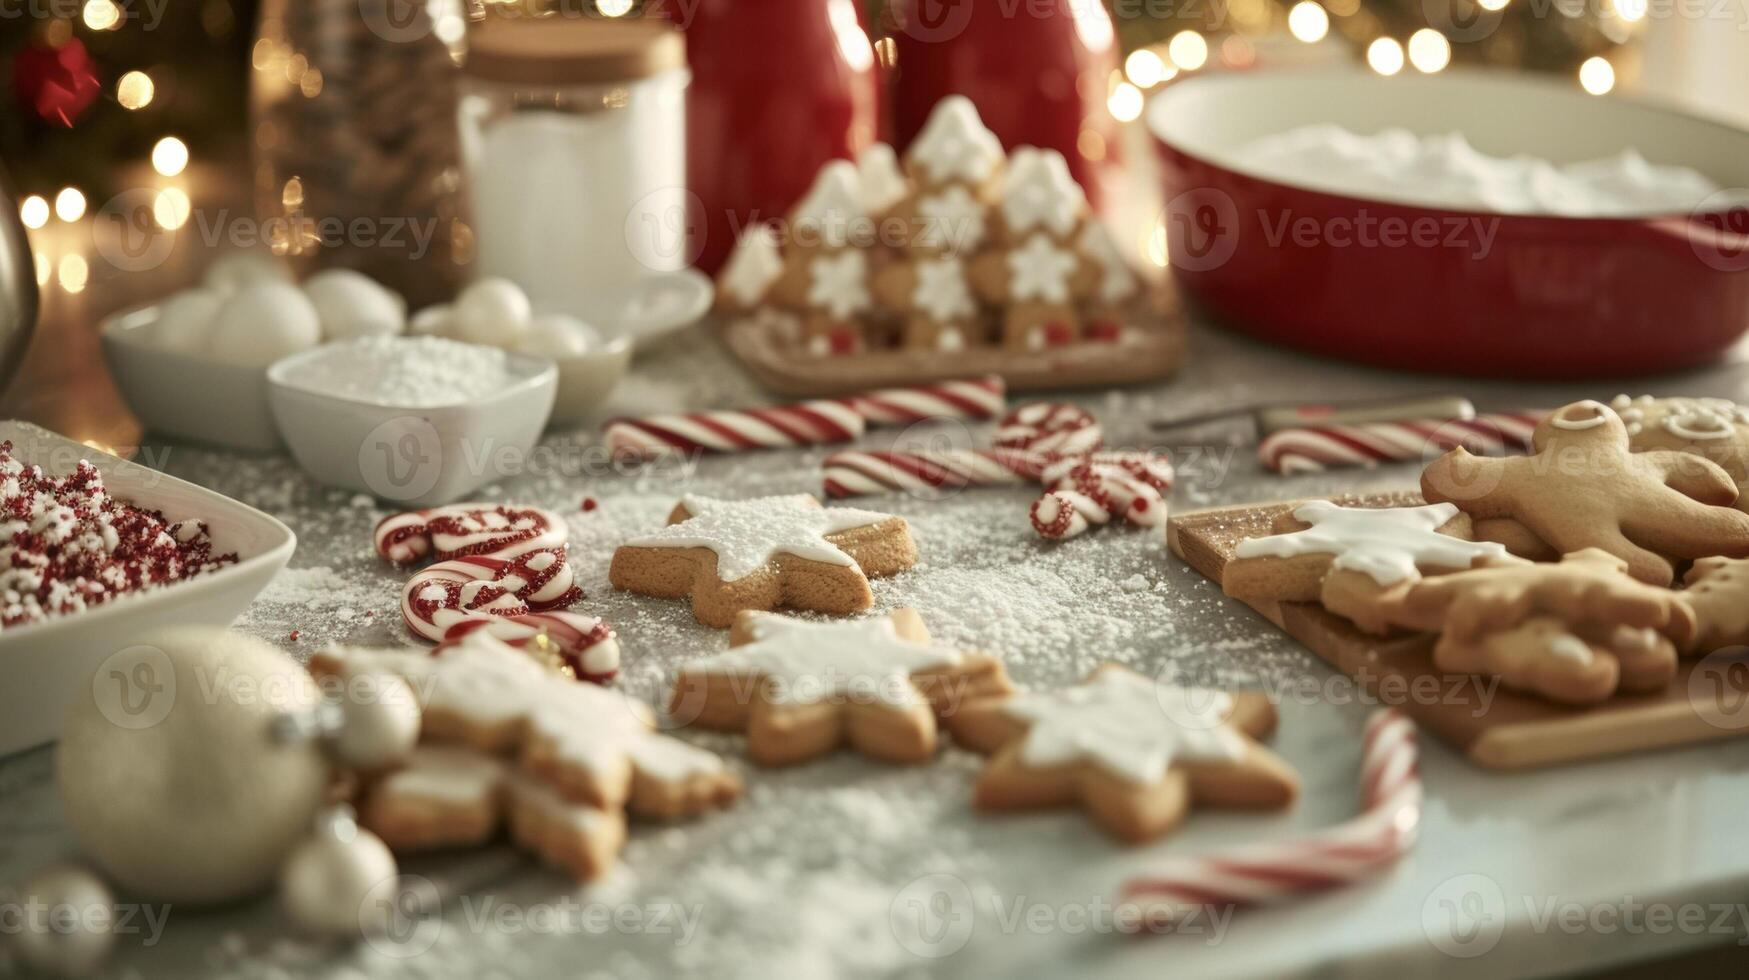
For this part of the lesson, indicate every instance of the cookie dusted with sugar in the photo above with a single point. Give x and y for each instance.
(800, 689)
(1137, 754)
(764, 554)
(508, 742)
(1585, 488)
(1355, 560)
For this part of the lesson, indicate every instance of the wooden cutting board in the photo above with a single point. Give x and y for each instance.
(1504, 730)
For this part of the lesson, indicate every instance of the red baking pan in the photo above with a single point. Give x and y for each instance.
(1522, 296)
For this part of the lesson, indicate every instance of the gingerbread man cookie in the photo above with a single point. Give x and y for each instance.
(1356, 560)
(1584, 488)
(764, 554)
(1572, 631)
(576, 757)
(1718, 594)
(800, 689)
(1135, 753)
(1712, 428)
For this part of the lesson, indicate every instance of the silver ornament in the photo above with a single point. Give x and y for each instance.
(332, 882)
(65, 921)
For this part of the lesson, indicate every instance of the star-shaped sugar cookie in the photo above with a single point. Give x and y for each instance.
(1356, 560)
(763, 554)
(559, 762)
(801, 689)
(1135, 753)
(1584, 488)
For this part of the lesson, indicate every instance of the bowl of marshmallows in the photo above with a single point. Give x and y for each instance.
(194, 365)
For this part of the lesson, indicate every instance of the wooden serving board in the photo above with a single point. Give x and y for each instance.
(1151, 348)
(1506, 730)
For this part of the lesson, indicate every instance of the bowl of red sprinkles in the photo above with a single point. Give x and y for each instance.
(94, 551)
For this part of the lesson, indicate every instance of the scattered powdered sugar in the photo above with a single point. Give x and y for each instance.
(409, 372)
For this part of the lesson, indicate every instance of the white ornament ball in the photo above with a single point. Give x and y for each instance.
(350, 304)
(263, 322)
(65, 921)
(433, 321)
(171, 776)
(185, 320)
(558, 336)
(330, 881)
(491, 311)
(234, 270)
(379, 722)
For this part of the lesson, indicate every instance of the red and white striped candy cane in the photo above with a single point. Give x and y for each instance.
(971, 398)
(853, 474)
(1270, 873)
(803, 424)
(1313, 449)
(1050, 428)
(1063, 514)
(583, 644)
(449, 592)
(460, 530)
(1119, 490)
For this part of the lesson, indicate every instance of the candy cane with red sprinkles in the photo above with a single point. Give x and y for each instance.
(583, 646)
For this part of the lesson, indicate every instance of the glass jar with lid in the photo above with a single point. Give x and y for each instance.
(573, 141)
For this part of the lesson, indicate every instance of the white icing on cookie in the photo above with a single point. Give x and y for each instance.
(1039, 193)
(954, 144)
(838, 284)
(883, 184)
(1040, 271)
(1700, 423)
(950, 340)
(753, 266)
(831, 206)
(1127, 725)
(941, 290)
(1117, 281)
(747, 534)
(447, 773)
(1599, 414)
(952, 219)
(860, 661)
(1388, 543)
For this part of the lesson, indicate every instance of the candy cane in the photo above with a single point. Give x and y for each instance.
(583, 645)
(1316, 448)
(452, 592)
(461, 530)
(852, 474)
(973, 398)
(1049, 428)
(804, 424)
(1269, 873)
(1063, 514)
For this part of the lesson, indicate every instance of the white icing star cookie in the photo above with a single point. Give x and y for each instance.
(1389, 544)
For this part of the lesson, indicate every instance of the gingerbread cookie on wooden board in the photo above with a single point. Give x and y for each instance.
(1135, 753)
(763, 554)
(1497, 728)
(560, 762)
(800, 689)
(1584, 488)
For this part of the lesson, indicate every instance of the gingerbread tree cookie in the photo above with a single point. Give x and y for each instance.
(1718, 594)
(764, 554)
(1107, 283)
(933, 295)
(1583, 488)
(954, 165)
(753, 268)
(1033, 273)
(560, 762)
(1573, 631)
(1135, 753)
(800, 689)
(826, 272)
(1356, 560)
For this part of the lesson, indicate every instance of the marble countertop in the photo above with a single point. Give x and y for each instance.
(851, 868)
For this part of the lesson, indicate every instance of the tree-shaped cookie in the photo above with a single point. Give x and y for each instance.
(1135, 753)
(1356, 560)
(801, 689)
(1583, 488)
(932, 294)
(764, 554)
(827, 263)
(954, 165)
(1107, 284)
(1572, 631)
(753, 268)
(560, 763)
(1033, 272)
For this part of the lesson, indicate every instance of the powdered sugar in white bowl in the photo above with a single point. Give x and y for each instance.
(410, 372)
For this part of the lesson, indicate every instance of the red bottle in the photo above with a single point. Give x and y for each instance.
(1038, 72)
(779, 87)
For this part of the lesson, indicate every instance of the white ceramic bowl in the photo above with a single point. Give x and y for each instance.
(585, 381)
(413, 456)
(186, 395)
(48, 663)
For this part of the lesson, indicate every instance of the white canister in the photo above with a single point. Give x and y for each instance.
(574, 137)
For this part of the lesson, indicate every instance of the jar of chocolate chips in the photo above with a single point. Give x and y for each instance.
(353, 118)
